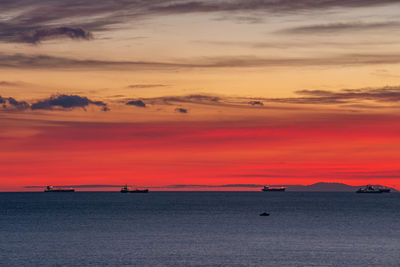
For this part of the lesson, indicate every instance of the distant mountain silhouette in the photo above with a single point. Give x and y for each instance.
(317, 187)
(329, 187)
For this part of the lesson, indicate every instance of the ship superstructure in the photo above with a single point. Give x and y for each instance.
(273, 189)
(50, 188)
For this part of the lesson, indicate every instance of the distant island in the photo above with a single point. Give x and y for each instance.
(329, 187)
(316, 187)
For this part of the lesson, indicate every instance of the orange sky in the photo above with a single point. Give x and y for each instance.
(199, 93)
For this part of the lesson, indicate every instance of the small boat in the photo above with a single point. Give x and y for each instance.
(273, 189)
(372, 190)
(127, 189)
(58, 190)
(264, 214)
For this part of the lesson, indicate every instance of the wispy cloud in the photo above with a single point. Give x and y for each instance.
(385, 94)
(342, 27)
(7, 83)
(141, 86)
(21, 61)
(36, 16)
(256, 103)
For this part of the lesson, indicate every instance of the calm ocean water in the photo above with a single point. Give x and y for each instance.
(199, 228)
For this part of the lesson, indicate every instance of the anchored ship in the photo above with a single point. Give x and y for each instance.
(371, 189)
(127, 189)
(273, 189)
(52, 189)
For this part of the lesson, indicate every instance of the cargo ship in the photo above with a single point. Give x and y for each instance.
(57, 190)
(127, 189)
(273, 189)
(371, 189)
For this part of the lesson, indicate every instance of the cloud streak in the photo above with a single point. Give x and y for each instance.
(181, 110)
(36, 16)
(8, 84)
(354, 99)
(342, 27)
(24, 61)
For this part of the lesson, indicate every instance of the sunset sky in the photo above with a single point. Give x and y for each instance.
(171, 95)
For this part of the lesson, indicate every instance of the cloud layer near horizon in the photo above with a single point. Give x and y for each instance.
(23, 61)
(364, 98)
(100, 14)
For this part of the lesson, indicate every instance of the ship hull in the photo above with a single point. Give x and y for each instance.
(60, 191)
(385, 190)
(273, 190)
(134, 191)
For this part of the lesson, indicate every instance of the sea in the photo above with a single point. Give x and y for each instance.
(199, 229)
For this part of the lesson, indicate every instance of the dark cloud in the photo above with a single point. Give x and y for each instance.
(384, 94)
(66, 102)
(37, 35)
(364, 98)
(181, 110)
(10, 103)
(341, 27)
(295, 43)
(137, 103)
(204, 99)
(256, 103)
(140, 86)
(174, 7)
(43, 61)
(356, 98)
(173, 100)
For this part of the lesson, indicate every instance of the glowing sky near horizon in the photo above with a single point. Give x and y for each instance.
(157, 93)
